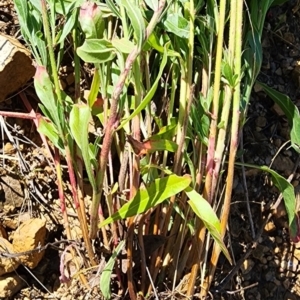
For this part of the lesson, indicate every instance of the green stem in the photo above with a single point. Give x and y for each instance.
(76, 66)
(228, 91)
(216, 99)
(234, 138)
(51, 52)
(185, 101)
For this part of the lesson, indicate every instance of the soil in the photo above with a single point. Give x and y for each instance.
(272, 268)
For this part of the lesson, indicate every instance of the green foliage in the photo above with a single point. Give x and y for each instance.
(288, 194)
(45, 90)
(156, 193)
(205, 212)
(80, 117)
(177, 24)
(150, 93)
(96, 51)
(91, 21)
(105, 279)
(136, 18)
(290, 110)
(164, 85)
(31, 26)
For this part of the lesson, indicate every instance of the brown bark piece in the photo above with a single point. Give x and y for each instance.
(15, 65)
(3, 232)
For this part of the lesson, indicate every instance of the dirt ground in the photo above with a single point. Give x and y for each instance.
(272, 268)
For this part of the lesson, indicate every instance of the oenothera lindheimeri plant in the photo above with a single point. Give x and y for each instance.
(117, 62)
(161, 189)
(167, 93)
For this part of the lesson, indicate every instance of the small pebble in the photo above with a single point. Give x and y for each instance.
(294, 53)
(261, 122)
(247, 266)
(264, 261)
(277, 250)
(277, 282)
(277, 142)
(292, 264)
(283, 265)
(290, 274)
(286, 283)
(270, 276)
(278, 72)
(270, 227)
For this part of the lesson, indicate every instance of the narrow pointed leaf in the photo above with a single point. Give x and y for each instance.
(114, 8)
(290, 110)
(289, 198)
(71, 19)
(151, 92)
(287, 190)
(79, 122)
(153, 4)
(157, 192)
(45, 91)
(137, 21)
(105, 278)
(151, 146)
(205, 212)
(50, 131)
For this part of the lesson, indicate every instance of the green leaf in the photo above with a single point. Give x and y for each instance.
(92, 98)
(79, 122)
(37, 4)
(45, 91)
(166, 132)
(96, 51)
(137, 21)
(154, 42)
(156, 193)
(200, 120)
(279, 2)
(253, 54)
(161, 145)
(38, 42)
(123, 45)
(258, 11)
(50, 131)
(151, 92)
(178, 25)
(68, 26)
(227, 72)
(153, 4)
(151, 146)
(113, 7)
(91, 20)
(205, 212)
(105, 278)
(290, 110)
(22, 11)
(65, 6)
(287, 190)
